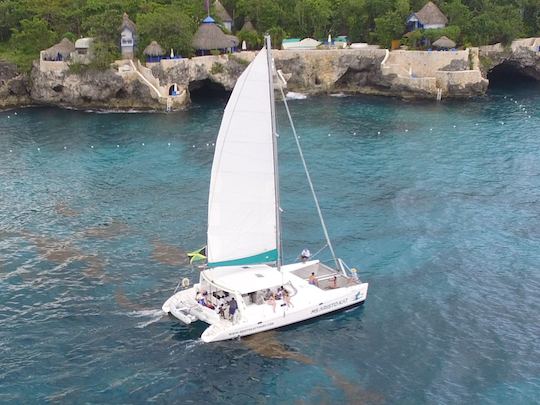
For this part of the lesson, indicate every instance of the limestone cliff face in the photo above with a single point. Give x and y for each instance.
(522, 56)
(90, 89)
(407, 74)
(14, 87)
(167, 84)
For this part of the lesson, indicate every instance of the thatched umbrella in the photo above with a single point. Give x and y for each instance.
(248, 26)
(154, 49)
(444, 42)
(209, 36)
(63, 48)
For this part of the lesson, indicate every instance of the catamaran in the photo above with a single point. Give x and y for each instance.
(244, 288)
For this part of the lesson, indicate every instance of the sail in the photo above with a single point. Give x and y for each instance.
(242, 200)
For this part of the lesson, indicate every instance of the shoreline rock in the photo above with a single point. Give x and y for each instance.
(167, 85)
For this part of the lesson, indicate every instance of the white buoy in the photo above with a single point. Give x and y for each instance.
(169, 144)
(11, 150)
(454, 126)
(431, 129)
(476, 124)
(378, 132)
(142, 143)
(329, 135)
(502, 122)
(117, 146)
(207, 145)
(8, 116)
(38, 149)
(15, 113)
(354, 133)
(529, 116)
(92, 146)
(65, 147)
(406, 130)
(213, 144)
(193, 145)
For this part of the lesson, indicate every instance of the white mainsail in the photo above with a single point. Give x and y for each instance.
(242, 201)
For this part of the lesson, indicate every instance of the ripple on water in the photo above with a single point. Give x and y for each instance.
(441, 219)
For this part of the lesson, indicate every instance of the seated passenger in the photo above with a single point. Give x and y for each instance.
(287, 299)
(313, 280)
(272, 301)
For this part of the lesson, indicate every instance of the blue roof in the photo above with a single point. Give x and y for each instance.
(209, 20)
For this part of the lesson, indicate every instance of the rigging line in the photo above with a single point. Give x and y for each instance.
(308, 177)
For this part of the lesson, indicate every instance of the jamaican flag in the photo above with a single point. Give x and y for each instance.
(197, 255)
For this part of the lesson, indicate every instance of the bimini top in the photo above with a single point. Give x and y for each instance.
(245, 279)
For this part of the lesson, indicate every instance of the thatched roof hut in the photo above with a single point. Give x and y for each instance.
(221, 12)
(444, 42)
(127, 23)
(248, 26)
(154, 49)
(209, 36)
(63, 48)
(430, 14)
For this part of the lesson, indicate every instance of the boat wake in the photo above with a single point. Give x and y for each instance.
(154, 316)
(291, 95)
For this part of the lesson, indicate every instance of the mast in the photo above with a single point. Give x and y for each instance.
(268, 46)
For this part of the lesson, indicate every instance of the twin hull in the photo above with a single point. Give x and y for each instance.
(327, 301)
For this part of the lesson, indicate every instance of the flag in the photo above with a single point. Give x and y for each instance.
(197, 255)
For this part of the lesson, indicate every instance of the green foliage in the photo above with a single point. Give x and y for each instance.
(169, 26)
(452, 31)
(253, 40)
(238, 60)
(277, 35)
(27, 26)
(103, 54)
(33, 36)
(217, 68)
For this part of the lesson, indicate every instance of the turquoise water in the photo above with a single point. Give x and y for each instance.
(437, 204)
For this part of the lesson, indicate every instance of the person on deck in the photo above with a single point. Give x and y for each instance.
(313, 280)
(305, 255)
(272, 301)
(233, 310)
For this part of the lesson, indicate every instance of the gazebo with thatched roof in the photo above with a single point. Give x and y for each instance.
(223, 15)
(59, 52)
(444, 43)
(209, 37)
(153, 52)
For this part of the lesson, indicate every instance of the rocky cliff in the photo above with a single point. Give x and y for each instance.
(14, 87)
(90, 89)
(168, 84)
(523, 57)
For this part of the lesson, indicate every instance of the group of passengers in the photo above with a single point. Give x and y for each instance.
(223, 303)
(282, 293)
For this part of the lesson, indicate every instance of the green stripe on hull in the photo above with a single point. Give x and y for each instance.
(270, 256)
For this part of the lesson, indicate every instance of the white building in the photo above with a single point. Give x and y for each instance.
(128, 37)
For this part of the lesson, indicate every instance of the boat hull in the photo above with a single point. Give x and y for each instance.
(285, 317)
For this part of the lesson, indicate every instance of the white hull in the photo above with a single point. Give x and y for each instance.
(309, 301)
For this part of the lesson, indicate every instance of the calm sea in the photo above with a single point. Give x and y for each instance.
(437, 204)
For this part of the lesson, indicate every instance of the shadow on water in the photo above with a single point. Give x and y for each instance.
(64, 210)
(107, 230)
(266, 344)
(168, 254)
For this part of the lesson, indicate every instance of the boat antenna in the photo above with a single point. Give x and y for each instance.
(308, 176)
(268, 46)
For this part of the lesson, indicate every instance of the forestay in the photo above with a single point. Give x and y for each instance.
(242, 200)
